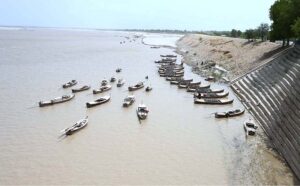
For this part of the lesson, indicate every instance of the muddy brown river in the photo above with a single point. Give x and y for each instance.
(180, 143)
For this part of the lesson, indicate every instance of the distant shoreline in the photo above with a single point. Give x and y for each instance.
(158, 31)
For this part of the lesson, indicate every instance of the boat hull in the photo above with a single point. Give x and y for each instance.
(226, 115)
(213, 101)
(95, 103)
(212, 95)
(81, 89)
(135, 88)
(53, 102)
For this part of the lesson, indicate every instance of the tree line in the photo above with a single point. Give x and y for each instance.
(262, 32)
(285, 17)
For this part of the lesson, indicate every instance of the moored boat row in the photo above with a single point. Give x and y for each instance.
(202, 93)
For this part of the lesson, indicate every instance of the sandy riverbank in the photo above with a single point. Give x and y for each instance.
(237, 56)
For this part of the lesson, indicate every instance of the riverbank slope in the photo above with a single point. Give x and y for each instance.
(235, 55)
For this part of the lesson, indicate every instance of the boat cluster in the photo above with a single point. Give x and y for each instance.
(203, 94)
(105, 85)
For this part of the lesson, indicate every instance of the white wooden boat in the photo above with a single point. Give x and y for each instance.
(250, 127)
(213, 101)
(136, 87)
(83, 88)
(120, 83)
(211, 95)
(57, 100)
(76, 127)
(99, 101)
(102, 89)
(129, 100)
(69, 84)
(142, 111)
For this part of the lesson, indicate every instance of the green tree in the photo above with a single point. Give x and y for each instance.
(283, 13)
(233, 33)
(239, 33)
(296, 28)
(263, 30)
(250, 34)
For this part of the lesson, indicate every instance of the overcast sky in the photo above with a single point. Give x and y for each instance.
(139, 14)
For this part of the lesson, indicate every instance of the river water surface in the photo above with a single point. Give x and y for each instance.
(179, 143)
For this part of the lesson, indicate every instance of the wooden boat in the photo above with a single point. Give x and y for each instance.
(197, 87)
(250, 127)
(69, 84)
(231, 113)
(168, 56)
(104, 82)
(177, 75)
(162, 71)
(83, 88)
(172, 68)
(171, 75)
(136, 87)
(179, 72)
(99, 101)
(165, 62)
(102, 89)
(148, 88)
(121, 82)
(210, 95)
(191, 85)
(167, 73)
(170, 65)
(181, 81)
(57, 100)
(76, 127)
(204, 90)
(112, 79)
(129, 100)
(210, 78)
(213, 101)
(142, 111)
(174, 78)
(118, 70)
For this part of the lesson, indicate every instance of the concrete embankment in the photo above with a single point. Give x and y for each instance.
(271, 94)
